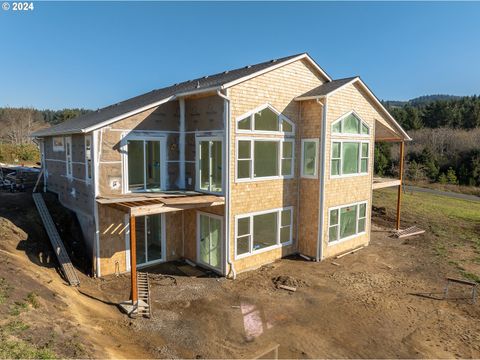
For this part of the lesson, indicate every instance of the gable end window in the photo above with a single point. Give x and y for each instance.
(349, 158)
(265, 119)
(350, 124)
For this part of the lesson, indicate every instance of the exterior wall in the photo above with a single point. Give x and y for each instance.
(351, 189)
(203, 117)
(180, 233)
(278, 88)
(311, 118)
(75, 193)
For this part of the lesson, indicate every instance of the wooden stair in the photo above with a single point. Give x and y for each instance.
(62, 256)
(143, 289)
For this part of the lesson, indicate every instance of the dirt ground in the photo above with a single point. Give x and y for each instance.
(384, 301)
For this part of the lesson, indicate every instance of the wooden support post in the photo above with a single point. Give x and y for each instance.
(133, 260)
(399, 194)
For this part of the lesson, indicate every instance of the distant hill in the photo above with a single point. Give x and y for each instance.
(421, 100)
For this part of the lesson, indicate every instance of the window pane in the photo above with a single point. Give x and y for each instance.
(351, 124)
(361, 225)
(364, 150)
(215, 242)
(309, 157)
(333, 233)
(204, 165)
(336, 150)
(245, 124)
(153, 164)
(348, 219)
(243, 169)
(287, 167)
(337, 127)
(287, 149)
(243, 245)
(363, 210)
(244, 149)
(216, 153)
(285, 234)
(365, 129)
(205, 239)
(286, 126)
(135, 165)
(266, 158)
(243, 226)
(140, 235)
(364, 165)
(154, 237)
(350, 157)
(334, 217)
(264, 230)
(335, 167)
(266, 120)
(286, 217)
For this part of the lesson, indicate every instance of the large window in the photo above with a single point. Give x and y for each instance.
(265, 158)
(347, 221)
(265, 230)
(145, 165)
(350, 124)
(209, 166)
(264, 119)
(349, 157)
(309, 158)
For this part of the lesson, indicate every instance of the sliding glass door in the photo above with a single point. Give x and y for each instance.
(145, 165)
(210, 240)
(150, 239)
(209, 164)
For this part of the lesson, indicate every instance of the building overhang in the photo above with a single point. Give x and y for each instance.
(149, 204)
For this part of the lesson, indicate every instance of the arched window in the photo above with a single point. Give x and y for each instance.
(265, 119)
(350, 124)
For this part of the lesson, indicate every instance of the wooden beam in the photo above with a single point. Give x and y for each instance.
(399, 194)
(133, 260)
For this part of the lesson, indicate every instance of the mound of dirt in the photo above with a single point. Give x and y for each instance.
(288, 281)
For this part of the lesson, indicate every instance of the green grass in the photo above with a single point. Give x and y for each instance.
(455, 223)
(4, 291)
(18, 349)
(32, 299)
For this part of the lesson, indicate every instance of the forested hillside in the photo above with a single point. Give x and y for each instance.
(446, 140)
(16, 125)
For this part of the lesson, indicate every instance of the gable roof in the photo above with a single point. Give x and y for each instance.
(107, 115)
(326, 88)
(333, 86)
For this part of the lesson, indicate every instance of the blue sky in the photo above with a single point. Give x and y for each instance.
(92, 54)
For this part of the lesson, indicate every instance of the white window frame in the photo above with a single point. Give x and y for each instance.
(199, 139)
(222, 232)
(58, 148)
(278, 244)
(352, 112)
(163, 160)
(330, 243)
(68, 156)
(88, 138)
(359, 173)
(252, 140)
(251, 114)
(315, 175)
